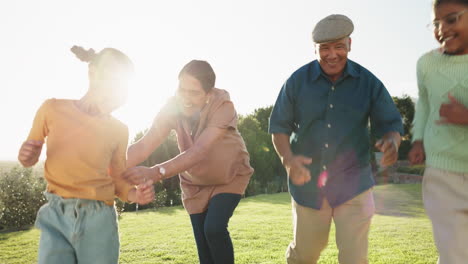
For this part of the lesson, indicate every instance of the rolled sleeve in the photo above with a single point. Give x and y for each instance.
(282, 116)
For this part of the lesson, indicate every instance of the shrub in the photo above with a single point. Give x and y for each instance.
(21, 196)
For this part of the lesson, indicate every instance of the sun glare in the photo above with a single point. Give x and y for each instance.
(144, 102)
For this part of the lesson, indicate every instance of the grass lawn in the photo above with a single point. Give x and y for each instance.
(261, 230)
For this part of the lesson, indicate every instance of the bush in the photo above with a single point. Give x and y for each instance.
(253, 188)
(21, 196)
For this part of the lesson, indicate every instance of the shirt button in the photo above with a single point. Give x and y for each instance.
(331, 105)
(326, 145)
(324, 167)
(333, 88)
(329, 125)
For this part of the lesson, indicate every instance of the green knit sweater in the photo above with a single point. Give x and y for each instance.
(446, 146)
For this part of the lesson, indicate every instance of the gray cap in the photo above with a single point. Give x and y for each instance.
(331, 28)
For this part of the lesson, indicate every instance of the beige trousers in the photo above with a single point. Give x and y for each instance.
(445, 196)
(311, 230)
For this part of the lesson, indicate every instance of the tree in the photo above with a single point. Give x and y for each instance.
(405, 106)
(262, 115)
(269, 175)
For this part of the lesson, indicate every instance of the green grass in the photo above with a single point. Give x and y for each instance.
(261, 229)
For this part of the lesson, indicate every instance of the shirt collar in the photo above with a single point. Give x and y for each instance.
(350, 69)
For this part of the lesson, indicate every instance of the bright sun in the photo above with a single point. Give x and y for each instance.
(144, 102)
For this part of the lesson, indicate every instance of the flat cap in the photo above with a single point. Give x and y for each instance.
(331, 28)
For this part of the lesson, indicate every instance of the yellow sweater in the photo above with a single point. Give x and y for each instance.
(85, 154)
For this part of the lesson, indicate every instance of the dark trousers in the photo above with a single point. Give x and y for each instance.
(210, 229)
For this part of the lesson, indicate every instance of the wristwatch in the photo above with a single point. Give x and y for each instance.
(162, 171)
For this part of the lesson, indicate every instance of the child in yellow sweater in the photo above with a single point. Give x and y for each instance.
(86, 154)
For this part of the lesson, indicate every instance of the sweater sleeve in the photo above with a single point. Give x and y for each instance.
(422, 106)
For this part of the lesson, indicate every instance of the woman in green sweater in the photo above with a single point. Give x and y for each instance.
(440, 132)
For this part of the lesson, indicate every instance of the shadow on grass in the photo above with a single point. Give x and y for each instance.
(14, 234)
(278, 198)
(399, 200)
(392, 199)
(16, 229)
(161, 210)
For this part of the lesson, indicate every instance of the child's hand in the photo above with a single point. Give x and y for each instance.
(140, 174)
(29, 152)
(453, 113)
(145, 193)
(416, 154)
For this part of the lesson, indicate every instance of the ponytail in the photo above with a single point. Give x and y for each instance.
(83, 54)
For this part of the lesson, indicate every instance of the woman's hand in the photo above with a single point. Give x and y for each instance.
(141, 174)
(29, 152)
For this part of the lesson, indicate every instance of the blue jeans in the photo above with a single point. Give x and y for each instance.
(77, 231)
(210, 229)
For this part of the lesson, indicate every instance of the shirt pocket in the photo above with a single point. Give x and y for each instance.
(352, 112)
(307, 112)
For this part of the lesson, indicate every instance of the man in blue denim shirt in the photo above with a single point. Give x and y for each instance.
(320, 131)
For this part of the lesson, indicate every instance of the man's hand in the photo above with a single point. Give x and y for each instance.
(454, 113)
(389, 146)
(141, 174)
(29, 152)
(296, 169)
(416, 154)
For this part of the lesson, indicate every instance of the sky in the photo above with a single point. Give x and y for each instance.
(253, 46)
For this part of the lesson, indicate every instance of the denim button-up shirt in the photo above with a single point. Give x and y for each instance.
(328, 122)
